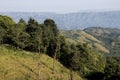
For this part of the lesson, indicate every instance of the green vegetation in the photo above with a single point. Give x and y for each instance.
(110, 38)
(112, 70)
(79, 36)
(34, 51)
(92, 37)
(22, 65)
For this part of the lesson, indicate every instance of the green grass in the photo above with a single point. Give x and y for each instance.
(23, 65)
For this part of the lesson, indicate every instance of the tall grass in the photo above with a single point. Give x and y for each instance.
(22, 65)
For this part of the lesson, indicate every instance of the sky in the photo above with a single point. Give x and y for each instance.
(58, 6)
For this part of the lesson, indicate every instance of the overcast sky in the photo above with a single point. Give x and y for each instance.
(58, 6)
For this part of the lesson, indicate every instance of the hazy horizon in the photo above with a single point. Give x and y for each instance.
(55, 6)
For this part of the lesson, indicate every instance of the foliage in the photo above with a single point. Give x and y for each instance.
(30, 36)
(80, 36)
(86, 61)
(82, 59)
(109, 36)
(112, 69)
(45, 38)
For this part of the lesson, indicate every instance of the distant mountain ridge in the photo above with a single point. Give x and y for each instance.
(73, 21)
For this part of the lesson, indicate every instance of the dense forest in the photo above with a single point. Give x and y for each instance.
(45, 38)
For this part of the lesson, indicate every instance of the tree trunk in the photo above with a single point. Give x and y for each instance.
(39, 64)
(71, 75)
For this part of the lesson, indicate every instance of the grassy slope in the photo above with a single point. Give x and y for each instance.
(22, 65)
(76, 36)
(109, 36)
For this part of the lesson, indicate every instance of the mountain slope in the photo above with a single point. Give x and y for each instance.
(79, 36)
(79, 20)
(109, 36)
(22, 65)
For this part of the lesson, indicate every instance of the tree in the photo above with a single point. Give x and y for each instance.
(53, 36)
(112, 69)
(53, 27)
(31, 29)
(32, 26)
(38, 38)
(85, 61)
(6, 23)
(22, 21)
(54, 44)
(18, 34)
(2, 34)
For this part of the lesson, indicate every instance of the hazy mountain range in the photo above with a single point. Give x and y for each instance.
(69, 21)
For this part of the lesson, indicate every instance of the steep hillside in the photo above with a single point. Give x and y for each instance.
(79, 36)
(22, 65)
(78, 20)
(109, 36)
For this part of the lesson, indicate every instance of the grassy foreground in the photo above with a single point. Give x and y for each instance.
(23, 65)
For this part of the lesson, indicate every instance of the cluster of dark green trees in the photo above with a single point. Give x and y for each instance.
(45, 38)
(30, 36)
